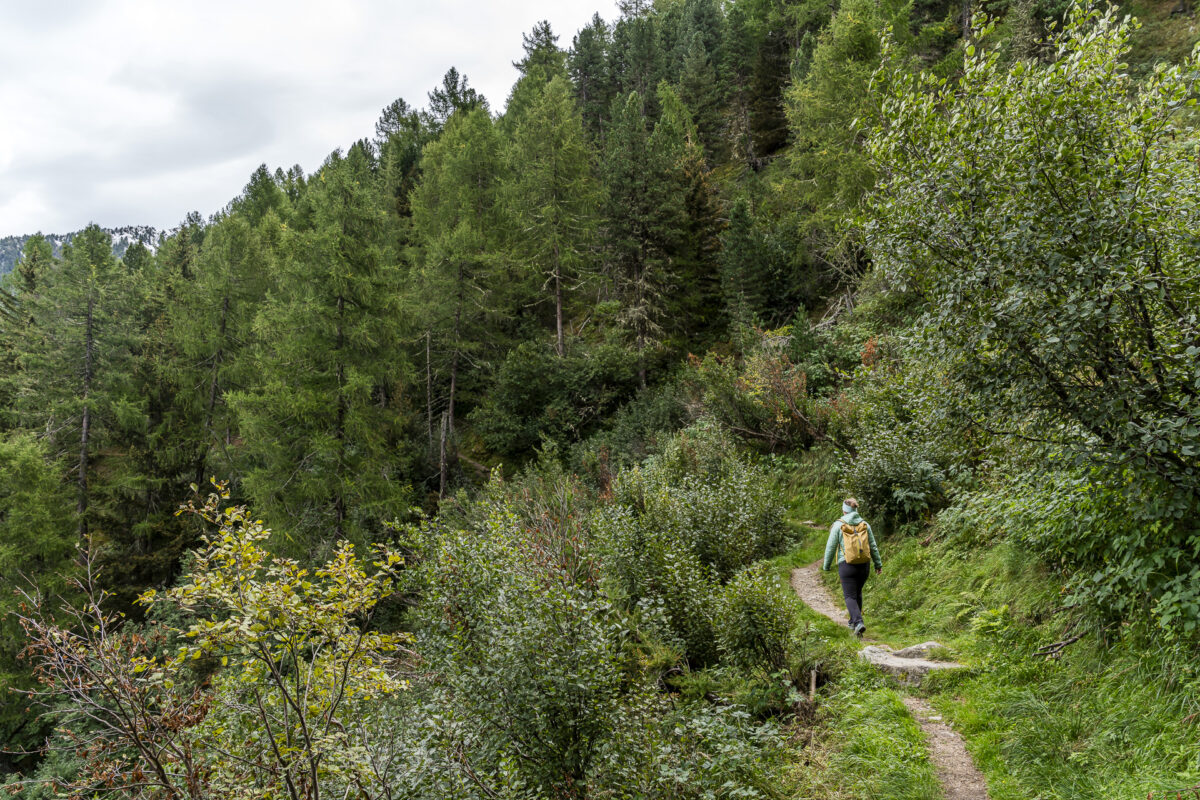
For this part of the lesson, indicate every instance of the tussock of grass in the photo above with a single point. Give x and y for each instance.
(868, 747)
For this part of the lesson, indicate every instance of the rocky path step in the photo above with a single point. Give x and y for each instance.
(960, 778)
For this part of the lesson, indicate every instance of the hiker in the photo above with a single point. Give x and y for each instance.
(852, 539)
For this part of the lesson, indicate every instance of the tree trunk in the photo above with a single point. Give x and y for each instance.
(85, 427)
(213, 385)
(429, 387)
(448, 420)
(558, 306)
(339, 503)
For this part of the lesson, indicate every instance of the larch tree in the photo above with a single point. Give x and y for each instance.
(552, 195)
(323, 426)
(456, 218)
(76, 357)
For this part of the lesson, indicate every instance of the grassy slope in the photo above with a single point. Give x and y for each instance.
(1103, 721)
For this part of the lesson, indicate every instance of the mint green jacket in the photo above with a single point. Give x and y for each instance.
(834, 545)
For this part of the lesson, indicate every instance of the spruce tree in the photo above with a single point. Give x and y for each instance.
(692, 219)
(76, 359)
(589, 69)
(700, 90)
(638, 227)
(37, 256)
(400, 135)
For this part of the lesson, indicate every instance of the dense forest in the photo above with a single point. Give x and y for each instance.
(456, 468)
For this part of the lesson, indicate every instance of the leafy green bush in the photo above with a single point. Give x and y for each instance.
(688, 751)
(754, 620)
(894, 475)
(683, 524)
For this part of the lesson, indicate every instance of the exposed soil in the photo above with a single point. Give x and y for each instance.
(806, 581)
(960, 778)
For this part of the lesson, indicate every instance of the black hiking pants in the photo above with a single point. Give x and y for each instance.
(853, 577)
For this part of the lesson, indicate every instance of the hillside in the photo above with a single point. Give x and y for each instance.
(11, 246)
(477, 463)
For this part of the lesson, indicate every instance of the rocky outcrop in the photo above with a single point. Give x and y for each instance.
(909, 665)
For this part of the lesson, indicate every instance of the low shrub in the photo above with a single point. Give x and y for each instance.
(754, 620)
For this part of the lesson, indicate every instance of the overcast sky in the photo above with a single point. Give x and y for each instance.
(135, 112)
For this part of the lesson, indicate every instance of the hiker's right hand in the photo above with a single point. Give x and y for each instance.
(879, 570)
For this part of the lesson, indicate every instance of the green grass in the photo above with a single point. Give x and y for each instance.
(867, 746)
(1105, 720)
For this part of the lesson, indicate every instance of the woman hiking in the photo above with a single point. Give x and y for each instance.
(853, 541)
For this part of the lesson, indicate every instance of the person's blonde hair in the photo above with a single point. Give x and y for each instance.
(850, 501)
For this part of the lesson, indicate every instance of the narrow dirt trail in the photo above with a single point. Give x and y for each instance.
(960, 778)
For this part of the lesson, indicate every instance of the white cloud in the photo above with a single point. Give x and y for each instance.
(129, 112)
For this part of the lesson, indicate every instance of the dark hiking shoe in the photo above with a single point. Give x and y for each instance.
(860, 630)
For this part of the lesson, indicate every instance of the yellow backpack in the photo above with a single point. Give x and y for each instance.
(856, 543)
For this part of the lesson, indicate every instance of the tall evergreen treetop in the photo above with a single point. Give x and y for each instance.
(453, 95)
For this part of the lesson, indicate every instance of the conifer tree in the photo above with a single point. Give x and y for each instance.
(457, 222)
(637, 239)
(16, 292)
(588, 66)
(323, 427)
(692, 217)
(701, 92)
(76, 358)
(541, 51)
(154, 432)
(453, 95)
(636, 56)
(37, 554)
(37, 256)
(400, 135)
(552, 194)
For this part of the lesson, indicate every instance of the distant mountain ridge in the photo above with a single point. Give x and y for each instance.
(12, 246)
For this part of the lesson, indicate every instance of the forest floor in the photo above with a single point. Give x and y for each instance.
(956, 771)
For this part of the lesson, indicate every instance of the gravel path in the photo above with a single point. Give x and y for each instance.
(960, 778)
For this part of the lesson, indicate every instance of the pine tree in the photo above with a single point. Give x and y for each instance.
(155, 431)
(541, 52)
(636, 56)
(453, 95)
(400, 135)
(638, 230)
(691, 218)
(324, 425)
(37, 256)
(16, 292)
(543, 62)
(552, 194)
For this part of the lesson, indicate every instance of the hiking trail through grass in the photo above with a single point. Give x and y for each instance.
(956, 771)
